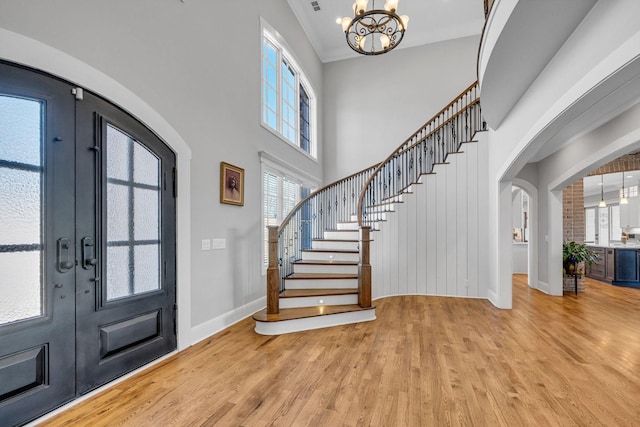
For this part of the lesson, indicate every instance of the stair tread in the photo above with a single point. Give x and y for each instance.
(324, 261)
(317, 276)
(341, 251)
(335, 240)
(293, 293)
(305, 312)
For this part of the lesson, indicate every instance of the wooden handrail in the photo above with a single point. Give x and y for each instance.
(401, 148)
(301, 203)
(475, 101)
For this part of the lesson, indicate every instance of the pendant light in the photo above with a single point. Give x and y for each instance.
(602, 203)
(623, 198)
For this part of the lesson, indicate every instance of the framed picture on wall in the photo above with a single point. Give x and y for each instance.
(231, 184)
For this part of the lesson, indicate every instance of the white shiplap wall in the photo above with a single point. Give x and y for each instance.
(433, 243)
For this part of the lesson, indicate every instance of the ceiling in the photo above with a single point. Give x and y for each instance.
(430, 21)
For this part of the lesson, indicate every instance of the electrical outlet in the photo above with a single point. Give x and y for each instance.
(206, 244)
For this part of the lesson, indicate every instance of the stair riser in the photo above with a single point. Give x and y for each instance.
(287, 326)
(325, 268)
(380, 216)
(348, 226)
(342, 235)
(349, 246)
(321, 284)
(330, 256)
(316, 301)
(382, 208)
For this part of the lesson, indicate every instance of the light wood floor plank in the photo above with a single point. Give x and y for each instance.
(426, 361)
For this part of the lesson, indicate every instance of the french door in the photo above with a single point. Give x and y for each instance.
(87, 244)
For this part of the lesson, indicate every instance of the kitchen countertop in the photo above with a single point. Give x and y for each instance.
(618, 246)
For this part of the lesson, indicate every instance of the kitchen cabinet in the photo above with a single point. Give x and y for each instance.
(630, 213)
(598, 270)
(627, 268)
(610, 264)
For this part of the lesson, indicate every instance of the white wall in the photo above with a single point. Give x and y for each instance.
(187, 65)
(591, 79)
(435, 242)
(373, 104)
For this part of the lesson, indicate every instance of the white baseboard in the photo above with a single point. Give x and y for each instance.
(213, 326)
(493, 298)
(543, 287)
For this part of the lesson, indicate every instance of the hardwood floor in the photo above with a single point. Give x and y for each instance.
(426, 361)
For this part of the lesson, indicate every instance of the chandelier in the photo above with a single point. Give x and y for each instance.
(375, 31)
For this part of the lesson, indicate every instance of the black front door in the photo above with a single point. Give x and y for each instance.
(126, 236)
(87, 244)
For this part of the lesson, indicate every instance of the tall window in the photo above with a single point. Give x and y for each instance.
(280, 196)
(287, 100)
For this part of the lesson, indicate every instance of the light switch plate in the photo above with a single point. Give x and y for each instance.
(219, 243)
(206, 244)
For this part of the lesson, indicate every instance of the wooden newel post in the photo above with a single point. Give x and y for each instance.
(364, 269)
(273, 273)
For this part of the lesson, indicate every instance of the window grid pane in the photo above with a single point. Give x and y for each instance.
(21, 209)
(286, 104)
(133, 217)
(270, 85)
(305, 142)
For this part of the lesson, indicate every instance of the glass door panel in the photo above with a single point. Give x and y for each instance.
(20, 209)
(133, 217)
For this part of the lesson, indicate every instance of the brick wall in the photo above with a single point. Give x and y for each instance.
(629, 162)
(573, 223)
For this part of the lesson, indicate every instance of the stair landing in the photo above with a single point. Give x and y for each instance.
(306, 318)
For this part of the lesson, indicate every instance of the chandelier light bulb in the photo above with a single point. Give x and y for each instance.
(391, 5)
(361, 6)
(384, 41)
(405, 21)
(345, 23)
(362, 42)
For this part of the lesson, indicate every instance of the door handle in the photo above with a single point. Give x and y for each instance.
(88, 253)
(64, 263)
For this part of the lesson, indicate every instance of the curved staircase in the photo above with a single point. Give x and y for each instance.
(319, 273)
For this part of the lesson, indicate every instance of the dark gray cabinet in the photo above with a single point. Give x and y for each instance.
(610, 264)
(598, 270)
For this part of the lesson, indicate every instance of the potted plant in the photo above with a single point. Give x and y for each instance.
(575, 253)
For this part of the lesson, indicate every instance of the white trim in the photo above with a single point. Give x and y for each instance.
(285, 52)
(493, 298)
(532, 256)
(23, 50)
(287, 169)
(317, 322)
(544, 287)
(289, 144)
(210, 327)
